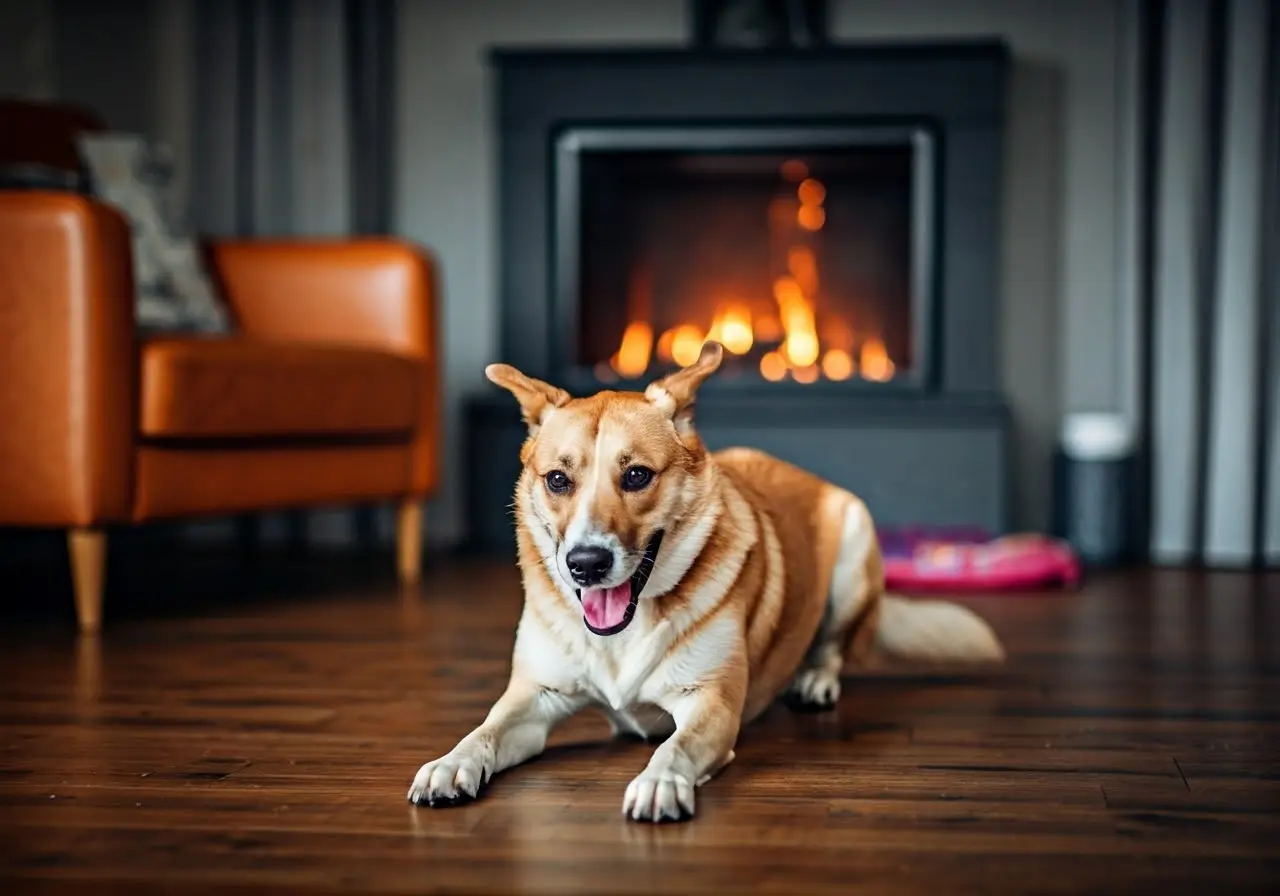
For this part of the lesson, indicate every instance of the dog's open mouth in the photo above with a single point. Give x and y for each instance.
(608, 611)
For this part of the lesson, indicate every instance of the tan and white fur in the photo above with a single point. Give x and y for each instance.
(767, 580)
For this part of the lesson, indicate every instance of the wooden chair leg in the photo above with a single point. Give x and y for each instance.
(409, 518)
(87, 549)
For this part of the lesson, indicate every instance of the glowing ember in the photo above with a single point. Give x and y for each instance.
(806, 375)
(773, 367)
(811, 217)
(874, 361)
(811, 192)
(837, 364)
(794, 170)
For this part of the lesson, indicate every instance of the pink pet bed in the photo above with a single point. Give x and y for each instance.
(967, 560)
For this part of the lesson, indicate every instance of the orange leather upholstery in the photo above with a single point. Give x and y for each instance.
(245, 388)
(67, 361)
(373, 292)
(178, 483)
(328, 394)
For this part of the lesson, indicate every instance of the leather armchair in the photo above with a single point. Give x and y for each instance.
(327, 392)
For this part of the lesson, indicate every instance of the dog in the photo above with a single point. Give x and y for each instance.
(680, 592)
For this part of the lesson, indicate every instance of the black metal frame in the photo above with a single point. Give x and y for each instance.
(572, 140)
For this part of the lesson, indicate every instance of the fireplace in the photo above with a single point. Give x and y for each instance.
(804, 250)
(830, 216)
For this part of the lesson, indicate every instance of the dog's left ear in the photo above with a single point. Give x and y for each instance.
(675, 393)
(536, 398)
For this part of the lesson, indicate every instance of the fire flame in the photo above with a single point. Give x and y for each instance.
(632, 357)
(801, 344)
(686, 344)
(790, 341)
(732, 329)
(797, 349)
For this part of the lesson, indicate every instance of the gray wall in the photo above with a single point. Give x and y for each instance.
(104, 57)
(123, 58)
(26, 49)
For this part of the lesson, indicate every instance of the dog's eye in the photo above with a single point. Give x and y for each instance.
(558, 482)
(636, 478)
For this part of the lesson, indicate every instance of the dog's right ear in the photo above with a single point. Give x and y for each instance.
(674, 394)
(536, 397)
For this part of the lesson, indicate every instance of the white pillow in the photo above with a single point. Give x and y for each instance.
(173, 291)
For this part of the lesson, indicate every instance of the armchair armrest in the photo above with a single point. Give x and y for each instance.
(377, 293)
(67, 361)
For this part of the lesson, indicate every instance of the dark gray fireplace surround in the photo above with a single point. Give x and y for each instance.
(930, 450)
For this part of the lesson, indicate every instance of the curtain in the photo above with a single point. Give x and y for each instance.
(1213, 300)
(291, 135)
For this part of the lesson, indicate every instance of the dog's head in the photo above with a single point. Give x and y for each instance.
(605, 478)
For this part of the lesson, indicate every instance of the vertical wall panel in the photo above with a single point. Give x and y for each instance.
(1269, 335)
(320, 136)
(1232, 463)
(174, 46)
(1180, 216)
(213, 200)
(273, 116)
(1130, 319)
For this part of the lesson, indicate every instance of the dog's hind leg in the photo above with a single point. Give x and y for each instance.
(857, 580)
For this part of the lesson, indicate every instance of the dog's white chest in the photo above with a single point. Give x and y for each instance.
(622, 690)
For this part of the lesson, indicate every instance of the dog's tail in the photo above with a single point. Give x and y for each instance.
(934, 631)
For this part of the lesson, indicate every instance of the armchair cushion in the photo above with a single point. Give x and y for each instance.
(375, 292)
(235, 388)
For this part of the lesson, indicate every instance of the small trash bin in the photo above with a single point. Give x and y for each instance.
(1095, 488)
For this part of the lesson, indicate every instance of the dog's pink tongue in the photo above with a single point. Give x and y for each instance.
(606, 607)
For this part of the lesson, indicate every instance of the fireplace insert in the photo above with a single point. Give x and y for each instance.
(805, 250)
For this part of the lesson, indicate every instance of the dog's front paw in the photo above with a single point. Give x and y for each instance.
(448, 781)
(659, 795)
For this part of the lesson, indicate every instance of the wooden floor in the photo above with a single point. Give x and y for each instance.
(266, 744)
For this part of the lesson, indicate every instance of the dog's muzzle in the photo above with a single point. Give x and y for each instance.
(607, 611)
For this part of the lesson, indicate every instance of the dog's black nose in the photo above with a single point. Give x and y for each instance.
(589, 565)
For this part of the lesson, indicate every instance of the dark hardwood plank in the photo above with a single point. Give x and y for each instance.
(1132, 744)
